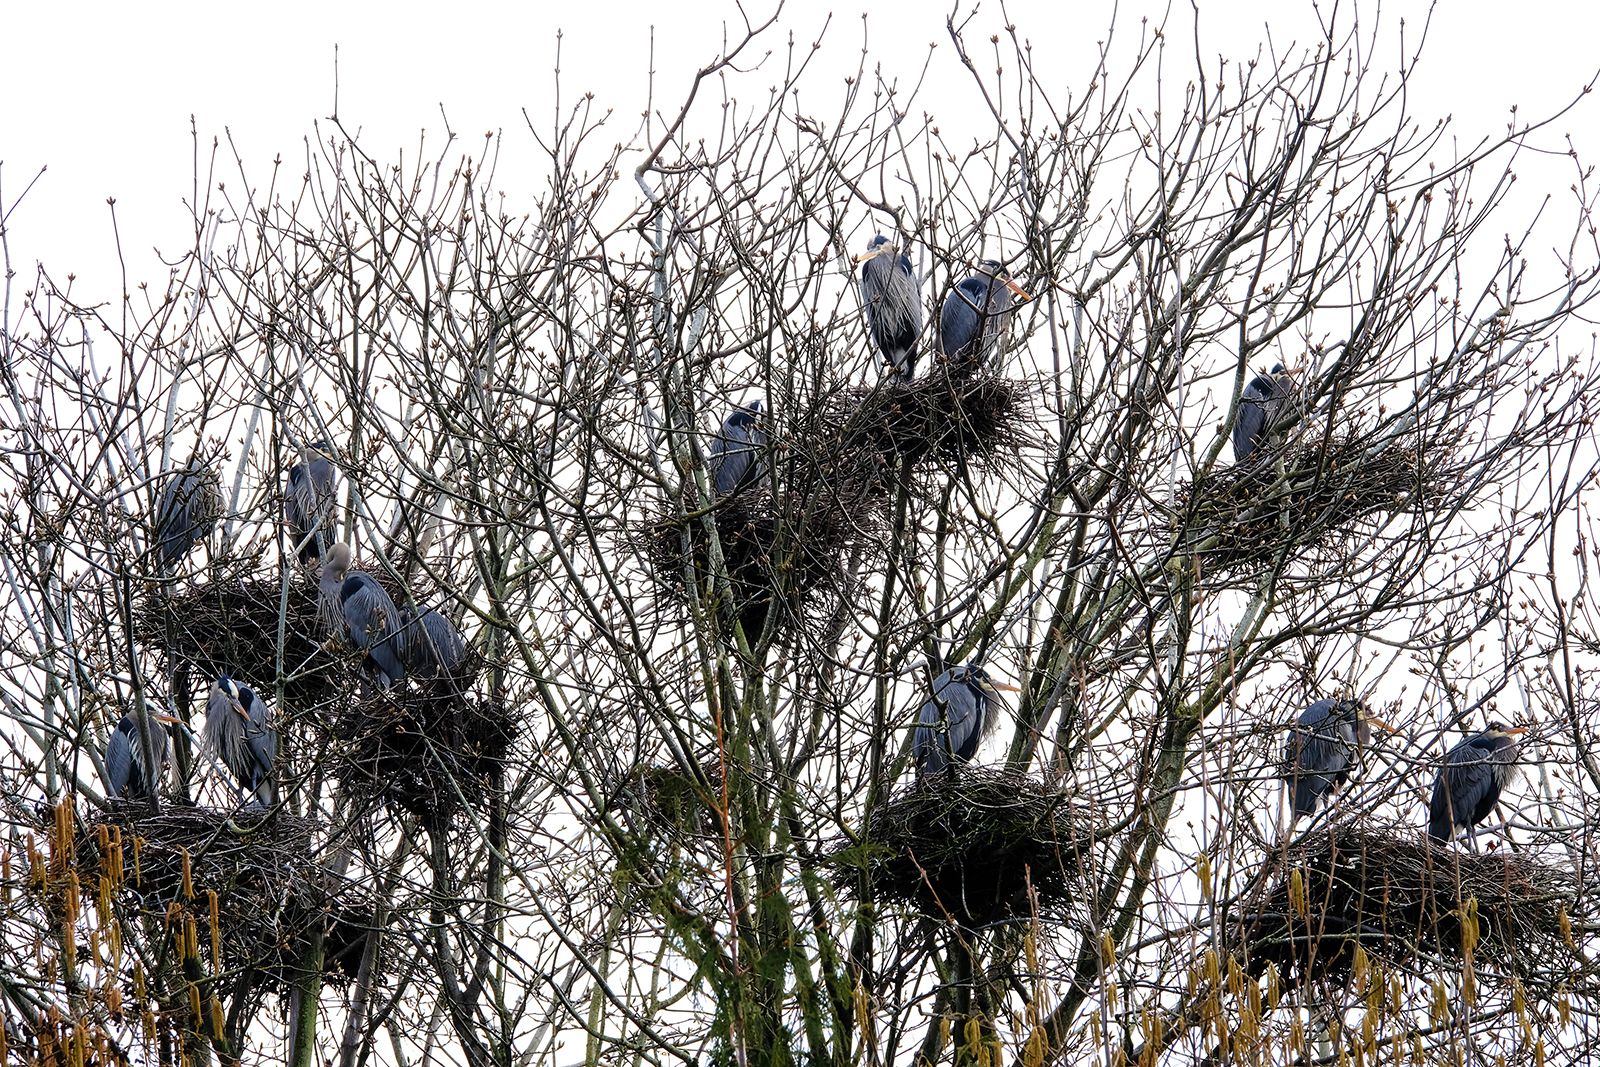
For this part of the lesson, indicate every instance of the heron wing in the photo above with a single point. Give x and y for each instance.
(118, 762)
(1464, 792)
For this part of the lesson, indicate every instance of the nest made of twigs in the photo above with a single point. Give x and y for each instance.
(1403, 898)
(1248, 513)
(426, 747)
(230, 626)
(972, 846)
(976, 417)
(775, 558)
(272, 893)
(670, 799)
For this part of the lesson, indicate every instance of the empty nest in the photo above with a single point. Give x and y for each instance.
(974, 417)
(1246, 514)
(1402, 898)
(425, 747)
(779, 560)
(271, 890)
(971, 847)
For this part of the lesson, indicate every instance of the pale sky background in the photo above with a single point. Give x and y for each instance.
(102, 94)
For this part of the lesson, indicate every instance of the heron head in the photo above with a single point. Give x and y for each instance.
(980, 677)
(875, 248)
(236, 695)
(991, 268)
(337, 559)
(1499, 729)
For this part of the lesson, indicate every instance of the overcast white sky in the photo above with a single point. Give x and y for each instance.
(102, 94)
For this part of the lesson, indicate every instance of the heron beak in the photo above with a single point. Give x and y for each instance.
(1015, 288)
(1519, 730)
(1374, 720)
(245, 715)
(169, 718)
(874, 254)
(1007, 688)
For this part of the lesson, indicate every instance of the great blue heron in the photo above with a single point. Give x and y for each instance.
(1468, 788)
(237, 733)
(186, 512)
(973, 316)
(126, 771)
(309, 503)
(1266, 401)
(354, 607)
(431, 647)
(1321, 753)
(894, 310)
(735, 454)
(963, 711)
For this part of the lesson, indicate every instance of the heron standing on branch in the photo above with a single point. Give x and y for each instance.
(973, 316)
(186, 512)
(431, 647)
(894, 310)
(127, 773)
(1475, 772)
(355, 608)
(735, 455)
(308, 506)
(1267, 401)
(236, 732)
(1322, 751)
(964, 710)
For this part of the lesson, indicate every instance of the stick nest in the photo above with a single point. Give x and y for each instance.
(670, 799)
(423, 747)
(230, 625)
(271, 890)
(1402, 898)
(969, 847)
(979, 417)
(1249, 513)
(784, 558)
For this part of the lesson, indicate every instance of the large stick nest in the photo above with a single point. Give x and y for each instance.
(272, 893)
(1250, 513)
(424, 747)
(969, 847)
(976, 417)
(781, 558)
(230, 625)
(1403, 898)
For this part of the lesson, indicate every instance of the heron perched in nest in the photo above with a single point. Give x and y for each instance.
(430, 646)
(1322, 749)
(894, 310)
(1267, 400)
(734, 461)
(1467, 789)
(308, 505)
(186, 512)
(354, 607)
(973, 316)
(127, 773)
(964, 710)
(237, 733)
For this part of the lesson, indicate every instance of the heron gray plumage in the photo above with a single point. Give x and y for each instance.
(1266, 401)
(187, 509)
(124, 760)
(354, 607)
(734, 458)
(894, 309)
(1321, 753)
(431, 646)
(308, 505)
(964, 709)
(973, 316)
(237, 733)
(1467, 789)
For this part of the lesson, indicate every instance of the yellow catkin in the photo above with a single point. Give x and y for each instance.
(1297, 892)
(114, 868)
(1033, 1053)
(191, 940)
(194, 1006)
(1108, 951)
(188, 875)
(216, 930)
(1566, 926)
(1203, 869)
(115, 936)
(218, 1022)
